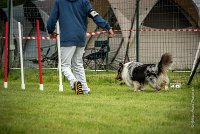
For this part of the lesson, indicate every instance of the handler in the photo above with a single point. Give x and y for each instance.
(72, 16)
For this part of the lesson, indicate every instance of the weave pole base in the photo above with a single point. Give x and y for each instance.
(23, 86)
(41, 87)
(5, 84)
(61, 88)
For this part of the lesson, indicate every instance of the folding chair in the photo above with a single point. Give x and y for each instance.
(50, 59)
(98, 55)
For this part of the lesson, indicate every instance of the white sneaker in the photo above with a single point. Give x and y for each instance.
(86, 90)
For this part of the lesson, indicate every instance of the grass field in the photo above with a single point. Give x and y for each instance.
(111, 108)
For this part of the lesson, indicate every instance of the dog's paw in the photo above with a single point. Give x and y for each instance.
(158, 88)
(122, 83)
(166, 88)
(135, 90)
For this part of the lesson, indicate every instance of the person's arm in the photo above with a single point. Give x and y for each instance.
(98, 20)
(51, 23)
(111, 33)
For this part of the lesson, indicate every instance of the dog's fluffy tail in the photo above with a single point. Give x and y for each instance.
(165, 62)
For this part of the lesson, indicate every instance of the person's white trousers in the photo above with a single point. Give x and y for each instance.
(72, 65)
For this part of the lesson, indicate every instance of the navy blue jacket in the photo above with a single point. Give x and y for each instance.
(72, 16)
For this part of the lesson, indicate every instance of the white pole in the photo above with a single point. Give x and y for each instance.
(21, 56)
(5, 84)
(59, 58)
(196, 57)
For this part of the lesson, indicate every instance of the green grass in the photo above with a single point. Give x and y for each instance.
(111, 108)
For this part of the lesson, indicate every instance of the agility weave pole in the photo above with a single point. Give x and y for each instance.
(39, 54)
(6, 58)
(21, 56)
(59, 58)
(194, 71)
(195, 65)
(196, 57)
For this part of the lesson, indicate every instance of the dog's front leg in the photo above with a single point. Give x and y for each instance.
(154, 84)
(165, 83)
(166, 88)
(136, 86)
(158, 88)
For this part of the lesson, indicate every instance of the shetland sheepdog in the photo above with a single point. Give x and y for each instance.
(137, 75)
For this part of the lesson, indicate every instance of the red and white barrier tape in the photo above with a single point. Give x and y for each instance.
(162, 30)
(100, 32)
(170, 30)
(34, 38)
(95, 33)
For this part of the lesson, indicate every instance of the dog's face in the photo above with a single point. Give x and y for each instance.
(119, 72)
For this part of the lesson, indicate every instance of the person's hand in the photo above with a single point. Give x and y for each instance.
(110, 33)
(53, 35)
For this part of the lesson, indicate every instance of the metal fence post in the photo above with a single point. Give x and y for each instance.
(10, 32)
(137, 30)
